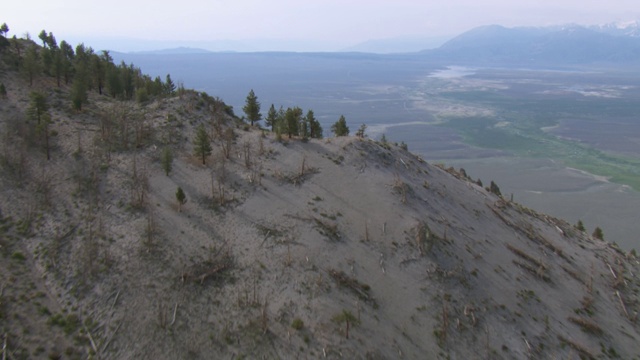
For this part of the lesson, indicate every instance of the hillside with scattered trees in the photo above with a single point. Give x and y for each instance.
(140, 219)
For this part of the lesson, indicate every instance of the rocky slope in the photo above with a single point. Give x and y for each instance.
(335, 248)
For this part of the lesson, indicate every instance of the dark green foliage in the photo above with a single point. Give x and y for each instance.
(297, 324)
(493, 188)
(31, 64)
(272, 117)
(340, 128)
(142, 96)
(598, 233)
(79, 88)
(252, 108)
(169, 86)
(304, 129)
(37, 106)
(67, 55)
(3, 91)
(580, 226)
(181, 197)
(361, 131)
(201, 144)
(315, 129)
(292, 120)
(4, 29)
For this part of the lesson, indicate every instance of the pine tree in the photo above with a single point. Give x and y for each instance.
(37, 106)
(493, 187)
(202, 146)
(598, 234)
(181, 197)
(361, 130)
(292, 121)
(340, 128)
(31, 64)
(4, 29)
(315, 129)
(169, 86)
(272, 118)
(252, 108)
(580, 226)
(167, 160)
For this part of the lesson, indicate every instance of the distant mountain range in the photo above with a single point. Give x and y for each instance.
(569, 44)
(615, 43)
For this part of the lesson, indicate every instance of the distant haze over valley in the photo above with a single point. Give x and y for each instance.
(622, 34)
(524, 107)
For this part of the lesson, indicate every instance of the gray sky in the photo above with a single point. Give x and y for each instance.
(321, 25)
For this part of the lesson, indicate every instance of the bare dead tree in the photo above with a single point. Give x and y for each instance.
(246, 150)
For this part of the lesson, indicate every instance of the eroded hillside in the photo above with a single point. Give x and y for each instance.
(333, 248)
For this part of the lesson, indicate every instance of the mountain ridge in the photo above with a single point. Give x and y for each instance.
(284, 248)
(569, 44)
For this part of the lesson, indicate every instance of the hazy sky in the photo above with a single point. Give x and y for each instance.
(331, 24)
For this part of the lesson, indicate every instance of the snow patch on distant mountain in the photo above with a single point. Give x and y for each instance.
(623, 28)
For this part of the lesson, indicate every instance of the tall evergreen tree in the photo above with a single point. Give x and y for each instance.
(37, 106)
(292, 120)
(67, 56)
(315, 129)
(169, 86)
(4, 29)
(252, 108)
(272, 117)
(167, 160)
(31, 63)
(340, 128)
(201, 144)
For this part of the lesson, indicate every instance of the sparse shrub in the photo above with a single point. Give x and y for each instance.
(348, 319)
(493, 188)
(580, 226)
(598, 234)
(360, 133)
(18, 256)
(297, 324)
(181, 197)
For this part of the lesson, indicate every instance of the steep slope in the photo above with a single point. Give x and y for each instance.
(279, 244)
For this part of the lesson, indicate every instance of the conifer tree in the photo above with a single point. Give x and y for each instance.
(37, 106)
(4, 29)
(360, 133)
(252, 108)
(598, 233)
(340, 128)
(272, 118)
(315, 129)
(202, 146)
(292, 120)
(169, 86)
(181, 197)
